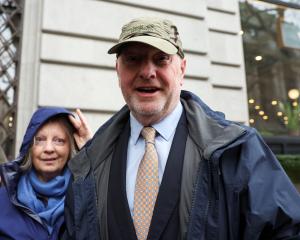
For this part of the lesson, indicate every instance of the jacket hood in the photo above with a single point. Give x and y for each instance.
(10, 171)
(208, 128)
(39, 117)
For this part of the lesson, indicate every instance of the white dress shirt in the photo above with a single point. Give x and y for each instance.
(136, 148)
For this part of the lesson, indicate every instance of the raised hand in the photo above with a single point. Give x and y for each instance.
(83, 132)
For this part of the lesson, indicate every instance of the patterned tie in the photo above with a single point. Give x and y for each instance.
(146, 186)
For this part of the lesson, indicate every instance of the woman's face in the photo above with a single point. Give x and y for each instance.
(50, 150)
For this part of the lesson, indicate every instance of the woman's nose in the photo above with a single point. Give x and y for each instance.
(49, 146)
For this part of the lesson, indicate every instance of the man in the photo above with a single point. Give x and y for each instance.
(199, 177)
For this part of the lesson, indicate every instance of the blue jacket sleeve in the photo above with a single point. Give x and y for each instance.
(273, 203)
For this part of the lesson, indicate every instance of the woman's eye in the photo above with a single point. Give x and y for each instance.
(39, 140)
(59, 141)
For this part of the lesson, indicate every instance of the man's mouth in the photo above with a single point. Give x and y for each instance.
(147, 89)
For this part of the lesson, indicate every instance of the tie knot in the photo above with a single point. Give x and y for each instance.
(148, 134)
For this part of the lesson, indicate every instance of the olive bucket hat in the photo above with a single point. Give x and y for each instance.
(159, 33)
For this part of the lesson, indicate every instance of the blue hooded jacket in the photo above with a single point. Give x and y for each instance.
(232, 186)
(16, 220)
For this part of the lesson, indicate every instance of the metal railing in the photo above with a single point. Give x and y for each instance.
(10, 31)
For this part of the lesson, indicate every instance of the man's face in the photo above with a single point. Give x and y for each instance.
(150, 81)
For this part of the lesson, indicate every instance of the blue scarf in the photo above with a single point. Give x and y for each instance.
(31, 189)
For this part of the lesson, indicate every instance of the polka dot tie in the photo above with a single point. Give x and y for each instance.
(146, 186)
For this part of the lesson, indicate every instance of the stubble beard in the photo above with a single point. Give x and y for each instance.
(146, 108)
(149, 112)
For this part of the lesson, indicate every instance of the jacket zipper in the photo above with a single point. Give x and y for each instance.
(208, 206)
(210, 174)
(194, 196)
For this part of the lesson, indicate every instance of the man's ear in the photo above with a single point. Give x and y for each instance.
(182, 68)
(116, 65)
(117, 70)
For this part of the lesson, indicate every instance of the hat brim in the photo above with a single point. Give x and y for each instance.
(158, 43)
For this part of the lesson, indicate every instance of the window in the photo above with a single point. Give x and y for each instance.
(271, 38)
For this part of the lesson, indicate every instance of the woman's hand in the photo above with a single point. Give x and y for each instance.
(83, 132)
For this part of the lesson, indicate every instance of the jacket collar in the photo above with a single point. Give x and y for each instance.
(101, 146)
(207, 128)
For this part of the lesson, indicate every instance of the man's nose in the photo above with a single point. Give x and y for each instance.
(147, 70)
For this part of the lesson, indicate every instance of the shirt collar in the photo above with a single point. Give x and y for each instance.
(136, 128)
(165, 127)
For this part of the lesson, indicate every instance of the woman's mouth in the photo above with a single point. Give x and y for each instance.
(48, 159)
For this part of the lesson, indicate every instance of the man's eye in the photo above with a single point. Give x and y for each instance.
(163, 59)
(131, 59)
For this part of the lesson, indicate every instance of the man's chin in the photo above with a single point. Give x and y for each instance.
(147, 111)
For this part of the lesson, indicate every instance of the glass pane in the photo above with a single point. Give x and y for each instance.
(271, 36)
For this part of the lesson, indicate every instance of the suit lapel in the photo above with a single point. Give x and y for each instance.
(117, 185)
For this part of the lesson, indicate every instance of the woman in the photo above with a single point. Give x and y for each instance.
(34, 185)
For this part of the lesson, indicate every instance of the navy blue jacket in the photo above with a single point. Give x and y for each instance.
(232, 186)
(16, 220)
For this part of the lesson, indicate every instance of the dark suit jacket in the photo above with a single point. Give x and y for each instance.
(165, 220)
